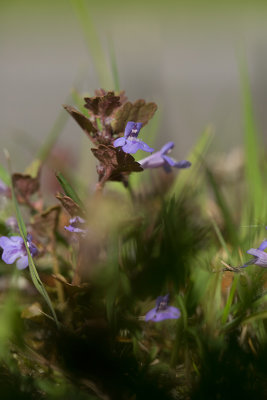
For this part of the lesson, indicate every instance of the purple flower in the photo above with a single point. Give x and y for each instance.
(14, 249)
(129, 142)
(4, 189)
(160, 159)
(260, 257)
(162, 310)
(77, 226)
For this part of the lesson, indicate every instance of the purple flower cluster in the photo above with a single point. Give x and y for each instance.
(131, 144)
(160, 159)
(77, 226)
(162, 310)
(14, 249)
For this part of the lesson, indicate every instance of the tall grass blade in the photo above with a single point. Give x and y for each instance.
(114, 66)
(68, 189)
(223, 206)
(33, 271)
(93, 43)
(256, 193)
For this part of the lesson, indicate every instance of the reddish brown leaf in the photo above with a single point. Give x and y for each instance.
(26, 185)
(103, 105)
(46, 223)
(70, 206)
(83, 122)
(115, 164)
(139, 111)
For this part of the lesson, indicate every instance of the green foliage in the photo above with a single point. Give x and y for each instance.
(68, 189)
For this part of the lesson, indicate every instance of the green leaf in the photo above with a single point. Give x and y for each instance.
(68, 189)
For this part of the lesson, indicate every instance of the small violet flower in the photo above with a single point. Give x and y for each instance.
(260, 257)
(160, 159)
(77, 226)
(14, 249)
(4, 189)
(162, 310)
(129, 142)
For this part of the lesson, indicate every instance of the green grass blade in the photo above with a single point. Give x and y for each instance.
(254, 317)
(223, 206)
(33, 271)
(256, 193)
(68, 189)
(114, 67)
(93, 43)
(221, 239)
(229, 302)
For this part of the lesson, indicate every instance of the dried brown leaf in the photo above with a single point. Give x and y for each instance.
(115, 163)
(70, 206)
(26, 185)
(34, 311)
(102, 105)
(83, 122)
(46, 223)
(139, 111)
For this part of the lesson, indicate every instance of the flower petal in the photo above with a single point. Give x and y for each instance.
(3, 188)
(176, 164)
(169, 160)
(17, 239)
(22, 262)
(263, 245)
(153, 161)
(119, 142)
(132, 126)
(128, 128)
(167, 147)
(131, 146)
(151, 314)
(11, 253)
(145, 147)
(5, 241)
(157, 316)
(261, 257)
(182, 164)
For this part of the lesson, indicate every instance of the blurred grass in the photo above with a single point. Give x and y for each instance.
(256, 190)
(95, 49)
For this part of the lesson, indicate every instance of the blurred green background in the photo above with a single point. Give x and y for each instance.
(181, 54)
